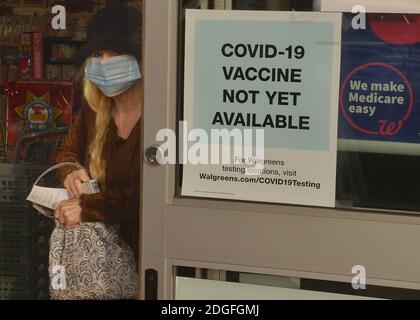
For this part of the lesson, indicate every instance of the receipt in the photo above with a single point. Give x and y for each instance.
(47, 197)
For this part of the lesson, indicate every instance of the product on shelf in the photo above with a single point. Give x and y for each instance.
(37, 107)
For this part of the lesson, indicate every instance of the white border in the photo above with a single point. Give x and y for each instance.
(325, 161)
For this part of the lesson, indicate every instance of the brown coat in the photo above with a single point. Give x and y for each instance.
(118, 203)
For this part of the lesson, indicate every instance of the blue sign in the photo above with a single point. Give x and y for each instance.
(260, 74)
(380, 79)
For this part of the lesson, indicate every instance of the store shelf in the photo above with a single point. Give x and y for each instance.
(9, 44)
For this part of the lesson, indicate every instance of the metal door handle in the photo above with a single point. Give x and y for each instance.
(152, 156)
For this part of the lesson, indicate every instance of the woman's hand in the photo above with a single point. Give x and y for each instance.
(69, 213)
(73, 182)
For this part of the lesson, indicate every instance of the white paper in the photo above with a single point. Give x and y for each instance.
(301, 164)
(48, 197)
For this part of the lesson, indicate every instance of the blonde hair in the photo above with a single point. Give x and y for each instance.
(101, 104)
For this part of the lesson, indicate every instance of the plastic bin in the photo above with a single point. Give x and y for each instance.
(24, 235)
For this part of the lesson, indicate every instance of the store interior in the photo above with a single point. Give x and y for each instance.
(40, 95)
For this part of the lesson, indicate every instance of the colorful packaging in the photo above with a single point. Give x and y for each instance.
(36, 107)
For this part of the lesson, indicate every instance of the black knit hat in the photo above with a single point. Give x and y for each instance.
(116, 28)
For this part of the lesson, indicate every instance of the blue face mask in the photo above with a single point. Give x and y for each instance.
(113, 75)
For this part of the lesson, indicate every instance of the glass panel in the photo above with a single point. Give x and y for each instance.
(41, 95)
(379, 152)
(373, 171)
(198, 289)
(288, 287)
(298, 5)
(286, 5)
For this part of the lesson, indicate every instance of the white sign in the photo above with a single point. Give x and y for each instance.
(253, 72)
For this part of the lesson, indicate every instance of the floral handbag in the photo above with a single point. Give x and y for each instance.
(91, 261)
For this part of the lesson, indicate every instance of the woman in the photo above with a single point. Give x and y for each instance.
(105, 136)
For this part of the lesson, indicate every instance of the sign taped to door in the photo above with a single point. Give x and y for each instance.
(266, 82)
